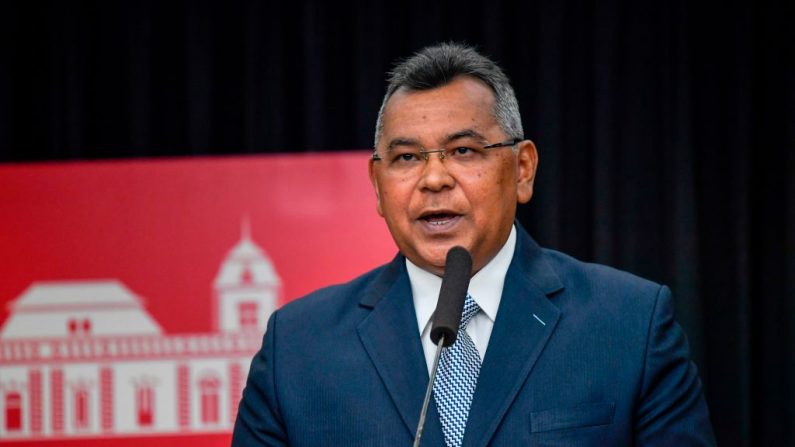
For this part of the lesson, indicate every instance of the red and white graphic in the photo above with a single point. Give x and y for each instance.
(122, 326)
(113, 368)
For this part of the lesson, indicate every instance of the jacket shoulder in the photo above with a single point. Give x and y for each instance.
(608, 285)
(332, 303)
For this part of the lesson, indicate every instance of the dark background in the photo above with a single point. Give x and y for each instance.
(666, 132)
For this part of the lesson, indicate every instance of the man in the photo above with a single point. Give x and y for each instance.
(552, 351)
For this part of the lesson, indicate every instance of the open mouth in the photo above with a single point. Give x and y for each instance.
(439, 218)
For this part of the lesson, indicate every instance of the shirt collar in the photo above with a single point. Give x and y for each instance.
(485, 287)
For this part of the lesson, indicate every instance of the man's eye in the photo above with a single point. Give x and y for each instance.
(406, 156)
(463, 150)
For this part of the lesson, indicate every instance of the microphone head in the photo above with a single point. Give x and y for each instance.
(455, 283)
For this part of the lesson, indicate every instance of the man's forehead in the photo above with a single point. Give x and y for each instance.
(468, 134)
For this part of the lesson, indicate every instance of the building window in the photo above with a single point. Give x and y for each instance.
(209, 392)
(81, 408)
(247, 311)
(145, 404)
(245, 276)
(79, 326)
(13, 411)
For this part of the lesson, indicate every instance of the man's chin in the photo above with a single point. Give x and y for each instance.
(433, 260)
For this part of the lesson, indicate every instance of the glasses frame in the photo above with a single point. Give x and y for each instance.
(426, 152)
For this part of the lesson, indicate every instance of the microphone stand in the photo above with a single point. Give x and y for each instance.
(428, 390)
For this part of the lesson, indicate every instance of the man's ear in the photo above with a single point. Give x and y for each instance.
(374, 181)
(527, 163)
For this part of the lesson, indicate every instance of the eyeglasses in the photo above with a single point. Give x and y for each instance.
(409, 158)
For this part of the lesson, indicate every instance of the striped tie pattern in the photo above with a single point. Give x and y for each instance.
(456, 379)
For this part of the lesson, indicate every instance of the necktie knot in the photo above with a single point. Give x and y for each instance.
(470, 309)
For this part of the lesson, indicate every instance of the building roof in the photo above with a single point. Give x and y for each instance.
(99, 307)
(246, 264)
(77, 294)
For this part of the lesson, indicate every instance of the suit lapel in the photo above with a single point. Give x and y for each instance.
(391, 338)
(525, 320)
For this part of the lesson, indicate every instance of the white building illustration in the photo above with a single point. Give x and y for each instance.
(85, 358)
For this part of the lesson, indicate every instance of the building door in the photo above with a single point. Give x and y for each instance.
(81, 408)
(209, 389)
(13, 411)
(145, 403)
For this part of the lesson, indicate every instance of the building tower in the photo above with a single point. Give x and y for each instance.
(247, 288)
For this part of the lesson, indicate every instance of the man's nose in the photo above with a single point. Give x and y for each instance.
(435, 174)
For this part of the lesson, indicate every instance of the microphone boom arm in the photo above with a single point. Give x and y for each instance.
(428, 390)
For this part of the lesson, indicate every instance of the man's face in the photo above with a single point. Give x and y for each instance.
(440, 207)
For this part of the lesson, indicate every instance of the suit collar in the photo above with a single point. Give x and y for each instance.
(528, 257)
(525, 321)
(389, 335)
(485, 286)
(385, 281)
(532, 265)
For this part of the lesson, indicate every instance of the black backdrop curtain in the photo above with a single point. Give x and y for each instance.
(666, 132)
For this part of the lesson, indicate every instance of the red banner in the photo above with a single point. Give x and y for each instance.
(135, 292)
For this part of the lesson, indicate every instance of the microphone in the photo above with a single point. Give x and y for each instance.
(452, 295)
(447, 316)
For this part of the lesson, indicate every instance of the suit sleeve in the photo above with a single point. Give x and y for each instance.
(259, 421)
(671, 408)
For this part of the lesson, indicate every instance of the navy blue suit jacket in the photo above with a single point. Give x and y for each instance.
(580, 355)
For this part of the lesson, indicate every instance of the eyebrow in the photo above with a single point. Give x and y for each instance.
(402, 142)
(465, 133)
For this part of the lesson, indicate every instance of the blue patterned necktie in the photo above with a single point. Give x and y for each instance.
(456, 379)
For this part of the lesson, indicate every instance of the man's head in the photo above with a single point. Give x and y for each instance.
(442, 168)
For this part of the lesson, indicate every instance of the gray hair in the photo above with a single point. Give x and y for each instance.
(437, 65)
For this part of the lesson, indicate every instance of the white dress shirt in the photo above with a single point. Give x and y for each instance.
(485, 288)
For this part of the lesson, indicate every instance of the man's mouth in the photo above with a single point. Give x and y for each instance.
(439, 219)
